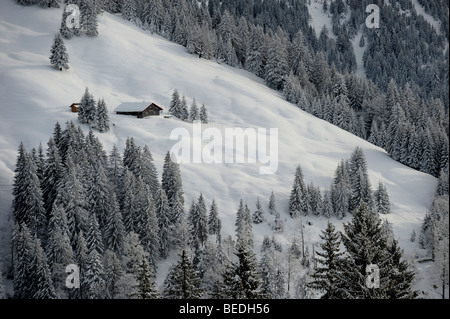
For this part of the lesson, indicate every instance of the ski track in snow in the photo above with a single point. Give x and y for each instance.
(125, 63)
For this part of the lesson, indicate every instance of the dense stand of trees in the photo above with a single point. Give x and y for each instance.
(112, 216)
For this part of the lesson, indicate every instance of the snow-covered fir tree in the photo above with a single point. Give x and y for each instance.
(359, 180)
(102, 122)
(382, 203)
(214, 221)
(194, 114)
(146, 286)
(258, 215)
(87, 108)
(298, 201)
(203, 114)
(326, 277)
(59, 58)
(341, 191)
(366, 244)
(182, 281)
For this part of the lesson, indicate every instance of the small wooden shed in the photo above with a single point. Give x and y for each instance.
(74, 107)
(139, 109)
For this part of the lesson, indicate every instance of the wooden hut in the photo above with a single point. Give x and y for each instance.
(139, 109)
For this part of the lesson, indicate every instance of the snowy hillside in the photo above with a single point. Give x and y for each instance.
(126, 64)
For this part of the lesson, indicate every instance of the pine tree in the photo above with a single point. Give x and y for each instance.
(163, 215)
(149, 171)
(89, 19)
(258, 215)
(182, 281)
(327, 277)
(23, 248)
(247, 272)
(102, 117)
(43, 280)
(148, 227)
(115, 169)
(210, 267)
(203, 114)
(53, 173)
(381, 199)
(99, 198)
(194, 114)
(268, 270)
(272, 204)
(254, 59)
(112, 272)
(87, 109)
(197, 220)
(71, 197)
(146, 287)
(277, 67)
(129, 10)
(94, 239)
(297, 200)
(59, 58)
(367, 244)
(114, 230)
(175, 104)
(278, 225)
(400, 276)
(359, 180)
(214, 222)
(243, 223)
(92, 280)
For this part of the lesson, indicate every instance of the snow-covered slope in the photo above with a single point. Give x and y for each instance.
(125, 63)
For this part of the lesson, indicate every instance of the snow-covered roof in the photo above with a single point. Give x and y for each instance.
(133, 106)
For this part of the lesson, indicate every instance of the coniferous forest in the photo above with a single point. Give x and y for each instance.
(117, 216)
(111, 215)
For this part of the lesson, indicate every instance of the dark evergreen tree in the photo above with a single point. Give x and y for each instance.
(198, 223)
(114, 230)
(381, 200)
(366, 244)
(400, 276)
(92, 279)
(277, 67)
(146, 286)
(272, 204)
(359, 180)
(42, 275)
(102, 117)
(247, 272)
(243, 223)
(23, 247)
(203, 114)
(327, 277)
(59, 58)
(214, 222)
(87, 109)
(297, 200)
(182, 281)
(258, 215)
(53, 173)
(112, 272)
(163, 215)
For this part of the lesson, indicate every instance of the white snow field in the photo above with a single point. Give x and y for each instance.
(127, 64)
